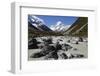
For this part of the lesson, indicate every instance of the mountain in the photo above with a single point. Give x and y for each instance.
(37, 28)
(59, 27)
(78, 28)
(30, 26)
(37, 23)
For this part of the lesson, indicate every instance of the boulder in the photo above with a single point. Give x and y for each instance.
(64, 56)
(32, 44)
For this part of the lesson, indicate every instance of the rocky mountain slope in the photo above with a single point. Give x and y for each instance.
(79, 28)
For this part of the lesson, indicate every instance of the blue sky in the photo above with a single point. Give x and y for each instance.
(52, 20)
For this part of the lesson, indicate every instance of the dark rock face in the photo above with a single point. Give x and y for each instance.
(76, 42)
(44, 51)
(49, 40)
(80, 39)
(57, 46)
(38, 55)
(75, 49)
(60, 40)
(79, 55)
(68, 41)
(33, 44)
(53, 55)
(65, 47)
(71, 56)
(64, 56)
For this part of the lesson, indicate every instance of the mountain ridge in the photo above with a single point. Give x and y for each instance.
(78, 28)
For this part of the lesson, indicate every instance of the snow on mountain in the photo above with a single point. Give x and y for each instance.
(38, 20)
(59, 26)
(35, 20)
(38, 23)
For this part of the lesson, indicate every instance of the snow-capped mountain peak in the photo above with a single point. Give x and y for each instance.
(58, 23)
(36, 19)
(38, 23)
(59, 26)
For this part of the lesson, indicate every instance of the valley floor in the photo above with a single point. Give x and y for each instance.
(80, 48)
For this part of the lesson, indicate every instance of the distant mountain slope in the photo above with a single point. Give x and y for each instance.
(79, 28)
